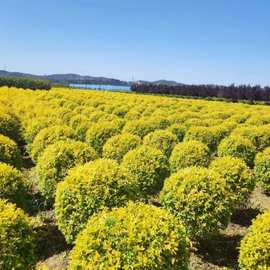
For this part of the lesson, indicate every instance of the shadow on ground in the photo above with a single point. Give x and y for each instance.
(221, 250)
(49, 240)
(245, 216)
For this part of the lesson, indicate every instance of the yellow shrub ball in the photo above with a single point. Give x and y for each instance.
(255, 246)
(138, 236)
(16, 238)
(88, 189)
(9, 152)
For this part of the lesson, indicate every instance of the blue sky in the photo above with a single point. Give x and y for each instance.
(191, 41)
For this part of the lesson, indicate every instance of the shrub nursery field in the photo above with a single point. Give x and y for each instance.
(93, 180)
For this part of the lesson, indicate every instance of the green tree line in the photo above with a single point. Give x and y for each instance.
(25, 83)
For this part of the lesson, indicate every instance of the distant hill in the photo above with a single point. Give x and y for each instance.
(70, 78)
(65, 78)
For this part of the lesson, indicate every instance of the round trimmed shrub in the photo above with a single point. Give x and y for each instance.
(238, 147)
(12, 186)
(205, 135)
(117, 146)
(162, 140)
(34, 126)
(147, 167)
(255, 246)
(16, 238)
(179, 130)
(9, 152)
(217, 115)
(228, 125)
(121, 110)
(98, 134)
(140, 127)
(48, 136)
(259, 136)
(80, 124)
(10, 126)
(80, 109)
(189, 153)
(262, 169)
(207, 121)
(57, 159)
(117, 121)
(258, 119)
(220, 132)
(198, 197)
(133, 114)
(194, 122)
(64, 114)
(95, 116)
(138, 236)
(161, 122)
(239, 118)
(88, 189)
(239, 178)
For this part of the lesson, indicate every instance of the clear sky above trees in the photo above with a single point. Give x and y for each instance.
(192, 41)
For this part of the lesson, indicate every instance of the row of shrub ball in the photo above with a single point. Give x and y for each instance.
(103, 159)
